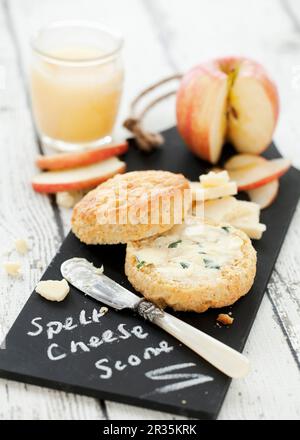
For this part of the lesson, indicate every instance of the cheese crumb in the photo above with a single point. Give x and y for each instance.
(103, 310)
(67, 199)
(99, 270)
(53, 290)
(225, 319)
(21, 246)
(12, 268)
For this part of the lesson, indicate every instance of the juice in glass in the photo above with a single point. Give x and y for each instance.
(76, 84)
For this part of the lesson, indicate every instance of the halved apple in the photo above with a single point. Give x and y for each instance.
(264, 195)
(78, 178)
(228, 98)
(259, 175)
(73, 160)
(239, 161)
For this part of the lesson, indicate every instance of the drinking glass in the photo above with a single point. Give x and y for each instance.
(76, 84)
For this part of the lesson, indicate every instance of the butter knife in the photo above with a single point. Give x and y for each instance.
(92, 282)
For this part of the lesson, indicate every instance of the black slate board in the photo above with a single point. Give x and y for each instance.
(25, 357)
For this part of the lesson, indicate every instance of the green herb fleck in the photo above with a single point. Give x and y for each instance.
(226, 228)
(140, 264)
(174, 244)
(209, 264)
(184, 265)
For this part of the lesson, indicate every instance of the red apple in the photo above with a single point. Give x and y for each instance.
(259, 175)
(265, 195)
(72, 160)
(78, 178)
(228, 98)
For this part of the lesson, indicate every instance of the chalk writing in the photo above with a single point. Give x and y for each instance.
(164, 373)
(55, 327)
(133, 360)
(108, 366)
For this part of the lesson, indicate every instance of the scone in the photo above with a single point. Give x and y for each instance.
(193, 267)
(131, 206)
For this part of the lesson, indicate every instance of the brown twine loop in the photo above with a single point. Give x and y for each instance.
(147, 141)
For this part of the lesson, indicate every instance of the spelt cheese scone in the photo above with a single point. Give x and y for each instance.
(131, 206)
(193, 266)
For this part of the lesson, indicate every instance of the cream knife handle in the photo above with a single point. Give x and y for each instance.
(224, 358)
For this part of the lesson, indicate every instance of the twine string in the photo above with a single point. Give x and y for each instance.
(146, 140)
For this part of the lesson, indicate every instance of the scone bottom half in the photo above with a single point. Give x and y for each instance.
(128, 207)
(193, 267)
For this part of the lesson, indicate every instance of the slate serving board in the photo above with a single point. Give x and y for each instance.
(129, 360)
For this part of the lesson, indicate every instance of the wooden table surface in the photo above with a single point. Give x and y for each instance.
(162, 37)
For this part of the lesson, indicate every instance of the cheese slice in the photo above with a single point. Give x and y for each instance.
(200, 193)
(228, 209)
(238, 213)
(220, 210)
(213, 179)
(243, 209)
(253, 230)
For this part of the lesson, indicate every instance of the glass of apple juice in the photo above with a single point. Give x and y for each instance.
(76, 83)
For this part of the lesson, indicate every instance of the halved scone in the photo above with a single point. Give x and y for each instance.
(193, 267)
(131, 207)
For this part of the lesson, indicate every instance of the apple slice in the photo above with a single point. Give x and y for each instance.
(239, 161)
(264, 195)
(259, 175)
(201, 106)
(78, 178)
(73, 160)
(253, 109)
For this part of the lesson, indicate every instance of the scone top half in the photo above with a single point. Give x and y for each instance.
(193, 266)
(132, 206)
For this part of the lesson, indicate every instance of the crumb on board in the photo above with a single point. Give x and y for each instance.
(68, 199)
(21, 246)
(103, 310)
(183, 402)
(12, 268)
(225, 319)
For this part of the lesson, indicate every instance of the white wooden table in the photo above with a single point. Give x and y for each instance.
(162, 37)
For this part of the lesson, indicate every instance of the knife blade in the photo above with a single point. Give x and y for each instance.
(86, 277)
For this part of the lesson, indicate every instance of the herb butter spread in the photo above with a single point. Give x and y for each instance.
(192, 252)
